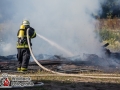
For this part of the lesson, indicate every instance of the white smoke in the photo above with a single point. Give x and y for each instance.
(67, 22)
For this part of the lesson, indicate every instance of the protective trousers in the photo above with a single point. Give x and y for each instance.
(23, 57)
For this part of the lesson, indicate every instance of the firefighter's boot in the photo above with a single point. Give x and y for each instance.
(23, 69)
(18, 69)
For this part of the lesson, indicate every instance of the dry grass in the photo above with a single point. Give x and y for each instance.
(109, 24)
(81, 77)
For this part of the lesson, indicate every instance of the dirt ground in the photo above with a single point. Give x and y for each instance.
(74, 86)
(112, 82)
(83, 86)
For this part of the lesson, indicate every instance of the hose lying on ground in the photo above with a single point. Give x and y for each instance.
(37, 61)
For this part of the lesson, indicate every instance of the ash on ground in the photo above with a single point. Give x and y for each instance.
(87, 62)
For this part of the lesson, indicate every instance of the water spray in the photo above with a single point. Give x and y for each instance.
(37, 61)
(44, 68)
(56, 45)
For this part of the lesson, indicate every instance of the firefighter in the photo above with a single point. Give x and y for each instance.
(23, 52)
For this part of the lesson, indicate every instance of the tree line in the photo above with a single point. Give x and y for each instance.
(110, 9)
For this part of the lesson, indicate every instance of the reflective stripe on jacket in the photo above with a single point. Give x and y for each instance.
(22, 46)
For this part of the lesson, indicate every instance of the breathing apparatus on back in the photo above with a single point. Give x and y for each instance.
(21, 34)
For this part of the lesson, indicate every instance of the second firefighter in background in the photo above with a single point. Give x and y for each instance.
(23, 52)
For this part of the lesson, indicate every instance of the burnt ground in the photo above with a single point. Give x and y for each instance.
(90, 64)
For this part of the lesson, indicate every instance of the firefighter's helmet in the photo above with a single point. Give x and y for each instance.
(26, 22)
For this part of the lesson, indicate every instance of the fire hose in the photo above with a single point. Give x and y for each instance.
(44, 68)
(54, 72)
(37, 61)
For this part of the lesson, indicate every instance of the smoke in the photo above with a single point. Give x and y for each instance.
(69, 23)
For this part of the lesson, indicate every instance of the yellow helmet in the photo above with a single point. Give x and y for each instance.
(26, 22)
(22, 27)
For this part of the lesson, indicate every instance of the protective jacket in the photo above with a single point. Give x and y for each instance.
(22, 36)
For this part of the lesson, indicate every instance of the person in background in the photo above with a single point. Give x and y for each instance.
(23, 52)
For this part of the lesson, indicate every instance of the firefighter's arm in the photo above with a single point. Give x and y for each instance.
(32, 33)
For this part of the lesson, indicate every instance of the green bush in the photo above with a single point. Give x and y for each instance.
(107, 35)
(111, 37)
